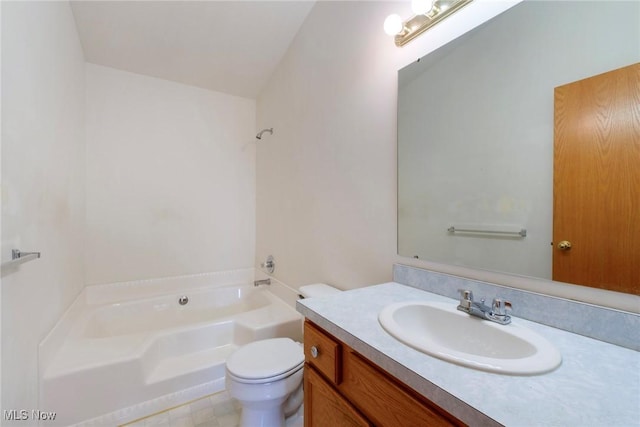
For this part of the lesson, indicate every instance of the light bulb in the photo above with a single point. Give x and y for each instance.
(393, 25)
(421, 7)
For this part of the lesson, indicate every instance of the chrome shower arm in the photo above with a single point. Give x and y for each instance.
(259, 135)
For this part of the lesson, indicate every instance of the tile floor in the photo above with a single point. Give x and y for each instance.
(216, 410)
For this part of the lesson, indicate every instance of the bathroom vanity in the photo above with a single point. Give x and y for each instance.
(358, 374)
(343, 388)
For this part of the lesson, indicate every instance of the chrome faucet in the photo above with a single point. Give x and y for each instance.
(262, 282)
(498, 312)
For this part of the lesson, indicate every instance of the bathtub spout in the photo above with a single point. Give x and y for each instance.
(262, 282)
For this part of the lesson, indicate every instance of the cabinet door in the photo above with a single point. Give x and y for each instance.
(383, 401)
(324, 407)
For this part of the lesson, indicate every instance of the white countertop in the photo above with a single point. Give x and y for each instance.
(597, 384)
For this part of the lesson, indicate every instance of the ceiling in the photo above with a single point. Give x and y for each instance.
(226, 46)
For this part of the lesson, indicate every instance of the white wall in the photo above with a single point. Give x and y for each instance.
(42, 183)
(170, 178)
(1, 406)
(327, 177)
(326, 180)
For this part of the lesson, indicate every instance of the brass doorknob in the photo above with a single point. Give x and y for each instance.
(565, 245)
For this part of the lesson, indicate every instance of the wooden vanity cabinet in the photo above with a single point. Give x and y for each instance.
(342, 388)
(324, 406)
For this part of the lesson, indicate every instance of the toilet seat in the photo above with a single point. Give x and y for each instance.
(267, 379)
(265, 361)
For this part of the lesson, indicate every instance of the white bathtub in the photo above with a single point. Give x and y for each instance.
(109, 353)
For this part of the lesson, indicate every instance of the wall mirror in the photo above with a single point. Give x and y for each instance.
(476, 131)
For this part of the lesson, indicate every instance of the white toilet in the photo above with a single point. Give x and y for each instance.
(266, 376)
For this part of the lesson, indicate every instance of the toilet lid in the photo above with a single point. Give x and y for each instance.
(265, 358)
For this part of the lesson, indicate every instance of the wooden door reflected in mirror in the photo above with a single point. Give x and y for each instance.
(596, 184)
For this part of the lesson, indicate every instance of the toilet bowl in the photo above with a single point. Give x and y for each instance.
(266, 378)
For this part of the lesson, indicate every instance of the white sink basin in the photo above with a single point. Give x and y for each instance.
(442, 331)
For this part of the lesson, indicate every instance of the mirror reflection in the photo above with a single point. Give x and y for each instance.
(476, 133)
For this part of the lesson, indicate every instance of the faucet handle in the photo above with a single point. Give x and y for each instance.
(466, 298)
(500, 307)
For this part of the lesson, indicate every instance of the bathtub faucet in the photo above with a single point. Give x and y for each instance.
(262, 282)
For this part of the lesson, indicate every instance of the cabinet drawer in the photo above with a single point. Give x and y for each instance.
(323, 352)
(374, 393)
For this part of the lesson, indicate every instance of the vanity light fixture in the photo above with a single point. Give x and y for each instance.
(427, 14)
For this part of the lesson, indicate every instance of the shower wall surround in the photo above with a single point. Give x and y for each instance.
(170, 178)
(605, 324)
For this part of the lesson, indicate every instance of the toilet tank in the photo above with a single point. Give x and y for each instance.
(317, 290)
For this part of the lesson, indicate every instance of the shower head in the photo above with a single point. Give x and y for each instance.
(259, 135)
